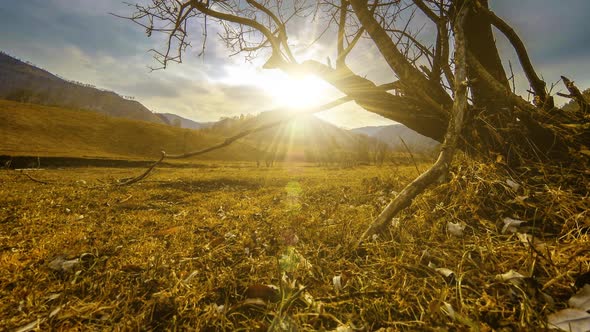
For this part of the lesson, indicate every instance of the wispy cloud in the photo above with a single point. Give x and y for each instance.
(83, 42)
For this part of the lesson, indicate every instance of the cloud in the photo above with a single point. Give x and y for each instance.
(83, 42)
(552, 31)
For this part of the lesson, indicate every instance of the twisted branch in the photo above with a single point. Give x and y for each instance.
(442, 164)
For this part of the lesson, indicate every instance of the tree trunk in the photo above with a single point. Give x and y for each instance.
(498, 122)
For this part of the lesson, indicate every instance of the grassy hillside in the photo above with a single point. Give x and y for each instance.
(23, 82)
(29, 129)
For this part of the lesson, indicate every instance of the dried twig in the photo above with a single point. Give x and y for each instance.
(575, 94)
(411, 155)
(34, 179)
(144, 174)
(234, 138)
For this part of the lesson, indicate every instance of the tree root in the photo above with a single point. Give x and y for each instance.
(441, 166)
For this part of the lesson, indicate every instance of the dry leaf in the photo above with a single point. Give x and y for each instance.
(513, 185)
(443, 271)
(447, 308)
(528, 239)
(455, 228)
(571, 320)
(511, 225)
(509, 276)
(337, 282)
(581, 300)
(255, 301)
(61, 265)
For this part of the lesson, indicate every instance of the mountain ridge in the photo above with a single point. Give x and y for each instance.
(391, 134)
(24, 82)
(182, 122)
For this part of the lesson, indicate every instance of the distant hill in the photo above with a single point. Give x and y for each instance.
(179, 121)
(369, 130)
(304, 138)
(23, 82)
(391, 134)
(36, 130)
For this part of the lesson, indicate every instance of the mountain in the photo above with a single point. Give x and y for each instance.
(23, 82)
(304, 138)
(46, 131)
(179, 121)
(369, 130)
(391, 135)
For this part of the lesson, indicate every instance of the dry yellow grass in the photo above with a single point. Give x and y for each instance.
(36, 130)
(183, 249)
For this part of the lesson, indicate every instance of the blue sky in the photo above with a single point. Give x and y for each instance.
(80, 40)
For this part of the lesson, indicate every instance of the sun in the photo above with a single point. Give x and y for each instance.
(297, 93)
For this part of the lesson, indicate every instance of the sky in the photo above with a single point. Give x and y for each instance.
(80, 40)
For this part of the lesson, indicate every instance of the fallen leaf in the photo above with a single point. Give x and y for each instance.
(255, 301)
(511, 225)
(528, 239)
(509, 276)
(513, 185)
(337, 282)
(443, 271)
(61, 265)
(455, 228)
(571, 320)
(582, 299)
(447, 309)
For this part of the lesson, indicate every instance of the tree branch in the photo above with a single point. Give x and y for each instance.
(436, 97)
(576, 95)
(442, 164)
(405, 109)
(276, 58)
(280, 26)
(537, 84)
(341, 28)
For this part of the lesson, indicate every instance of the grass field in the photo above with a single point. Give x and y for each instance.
(194, 249)
(226, 224)
(36, 130)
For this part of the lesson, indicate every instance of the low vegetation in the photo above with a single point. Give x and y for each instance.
(36, 130)
(197, 248)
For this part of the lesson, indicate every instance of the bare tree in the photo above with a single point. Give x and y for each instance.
(425, 94)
